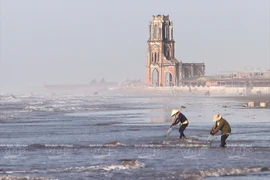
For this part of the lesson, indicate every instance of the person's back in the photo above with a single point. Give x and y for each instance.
(180, 118)
(226, 128)
(222, 125)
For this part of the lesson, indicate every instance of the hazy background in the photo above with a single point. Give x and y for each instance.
(76, 41)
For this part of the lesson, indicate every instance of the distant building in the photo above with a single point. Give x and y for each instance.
(162, 68)
(240, 79)
(267, 74)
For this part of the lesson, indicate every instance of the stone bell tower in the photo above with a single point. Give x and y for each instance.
(161, 66)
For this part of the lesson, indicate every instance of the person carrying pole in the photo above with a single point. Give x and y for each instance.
(180, 118)
(222, 125)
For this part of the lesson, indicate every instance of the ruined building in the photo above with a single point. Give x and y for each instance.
(162, 68)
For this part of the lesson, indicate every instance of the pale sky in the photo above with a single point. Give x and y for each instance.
(76, 41)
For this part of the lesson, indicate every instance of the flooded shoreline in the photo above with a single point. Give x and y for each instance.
(81, 136)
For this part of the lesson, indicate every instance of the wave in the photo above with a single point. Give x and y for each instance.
(58, 108)
(22, 178)
(231, 171)
(161, 144)
(117, 144)
(219, 172)
(68, 104)
(129, 164)
(125, 164)
(70, 146)
(36, 108)
(9, 99)
(202, 174)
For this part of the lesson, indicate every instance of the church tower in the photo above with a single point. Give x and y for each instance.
(161, 66)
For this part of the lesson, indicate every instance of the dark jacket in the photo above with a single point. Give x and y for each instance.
(221, 125)
(180, 118)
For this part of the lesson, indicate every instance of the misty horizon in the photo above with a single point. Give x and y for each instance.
(74, 42)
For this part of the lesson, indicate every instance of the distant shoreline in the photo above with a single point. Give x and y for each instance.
(249, 98)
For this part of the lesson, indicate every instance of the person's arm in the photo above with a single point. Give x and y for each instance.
(213, 128)
(221, 123)
(175, 121)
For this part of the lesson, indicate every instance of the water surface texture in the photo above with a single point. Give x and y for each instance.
(81, 136)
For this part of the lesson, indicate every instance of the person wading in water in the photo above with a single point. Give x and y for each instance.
(222, 125)
(179, 118)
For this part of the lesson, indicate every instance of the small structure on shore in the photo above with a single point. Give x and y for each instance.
(251, 104)
(257, 104)
(262, 104)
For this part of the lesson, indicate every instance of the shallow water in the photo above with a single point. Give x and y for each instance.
(64, 137)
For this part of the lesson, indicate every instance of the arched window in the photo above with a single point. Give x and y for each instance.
(155, 80)
(168, 79)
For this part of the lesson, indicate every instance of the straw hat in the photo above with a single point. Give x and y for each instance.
(174, 111)
(217, 117)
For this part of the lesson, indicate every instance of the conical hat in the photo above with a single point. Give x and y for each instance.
(174, 111)
(217, 117)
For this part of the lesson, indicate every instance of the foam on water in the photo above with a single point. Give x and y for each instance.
(124, 165)
(74, 135)
(218, 172)
(231, 171)
(8, 177)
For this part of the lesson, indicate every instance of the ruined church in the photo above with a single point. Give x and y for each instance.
(162, 68)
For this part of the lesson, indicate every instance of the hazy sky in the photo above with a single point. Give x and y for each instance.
(76, 41)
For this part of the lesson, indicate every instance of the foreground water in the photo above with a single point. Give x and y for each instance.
(81, 136)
